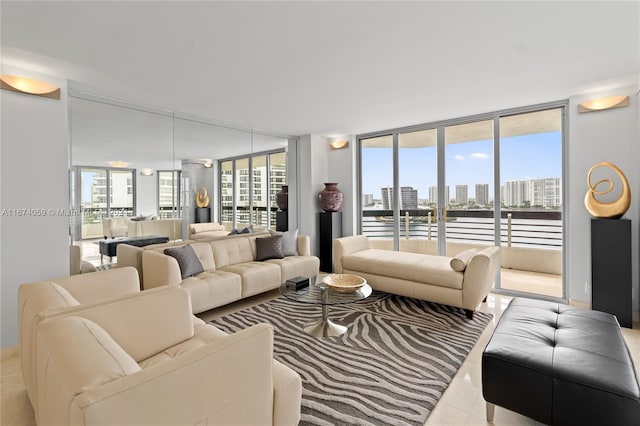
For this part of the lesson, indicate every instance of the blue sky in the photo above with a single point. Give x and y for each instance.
(522, 157)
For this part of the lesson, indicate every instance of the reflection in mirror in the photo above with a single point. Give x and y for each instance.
(163, 160)
(111, 146)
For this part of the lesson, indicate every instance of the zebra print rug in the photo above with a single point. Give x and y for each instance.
(391, 366)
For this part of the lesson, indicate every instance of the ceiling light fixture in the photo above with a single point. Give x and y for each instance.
(208, 164)
(146, 172)
(118, 163)
(29, 86)
(341, 144)
(602, 104)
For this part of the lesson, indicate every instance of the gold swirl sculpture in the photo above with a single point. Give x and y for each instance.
(202, 198)
(615, 209)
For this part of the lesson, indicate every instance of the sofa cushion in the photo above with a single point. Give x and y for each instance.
(187, 260)
(289, 242)
(269, 248)
(405, 266)
(460, 261)
(67, 298)
(257, 277)
(205, 255)
(232, 250)
(212, 289)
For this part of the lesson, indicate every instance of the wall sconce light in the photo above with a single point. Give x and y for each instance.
(602, 104)
(118, 163)
(208, 164)
(339, 144)
(29, 86)
(146, 172)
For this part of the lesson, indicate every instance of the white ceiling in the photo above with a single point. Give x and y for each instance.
(329, 68)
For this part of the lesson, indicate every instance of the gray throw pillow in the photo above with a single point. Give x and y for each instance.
(187, 260)
(269, 248)
(289, 242)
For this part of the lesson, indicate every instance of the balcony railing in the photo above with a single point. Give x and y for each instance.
(518, 228)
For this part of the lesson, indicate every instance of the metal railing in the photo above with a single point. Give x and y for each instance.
(518, 228)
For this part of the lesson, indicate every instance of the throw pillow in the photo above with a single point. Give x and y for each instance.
(289, 242)
(187, 260)
(461, 260)
(269, 248)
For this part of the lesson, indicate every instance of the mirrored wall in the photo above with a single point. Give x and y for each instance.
(138, 171)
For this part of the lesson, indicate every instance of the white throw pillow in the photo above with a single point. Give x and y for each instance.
(289, 242)
(461, 260)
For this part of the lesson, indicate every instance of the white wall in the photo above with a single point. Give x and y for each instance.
(613, 136)
(34, 175)
(312, 174)
(147, 193)
(341, 166)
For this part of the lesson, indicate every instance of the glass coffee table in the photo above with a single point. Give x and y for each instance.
(319, 293)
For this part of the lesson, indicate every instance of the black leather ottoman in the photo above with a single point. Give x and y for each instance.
(108, 247)
(560, 365)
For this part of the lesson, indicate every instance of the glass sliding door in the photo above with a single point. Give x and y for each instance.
(493, 179)
(418, 194)
(468, 214)
(241, 192)
(121, 189)
(93, 201)
(531, 234)
(277, 178)
(376, 168)
(226, 193)
(169, 188)
(260, 191)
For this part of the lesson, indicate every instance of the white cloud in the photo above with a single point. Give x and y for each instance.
(459, 157)
(479, 156)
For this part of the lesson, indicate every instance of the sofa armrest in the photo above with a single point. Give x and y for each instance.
(479, 276)
(228, 381)
(347, 245)
(303, 245)
(159, 269)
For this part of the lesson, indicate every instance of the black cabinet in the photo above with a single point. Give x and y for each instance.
(282, 220)
(203, 214)
(611, 268)
(330, 229)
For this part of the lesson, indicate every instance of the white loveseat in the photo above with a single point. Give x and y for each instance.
(117, 226)
(105, 363)
(171, 228)
(421, 276)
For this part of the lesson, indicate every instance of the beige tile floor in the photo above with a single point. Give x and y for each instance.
(461, 404)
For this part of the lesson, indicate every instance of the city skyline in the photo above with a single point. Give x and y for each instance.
(526, 157)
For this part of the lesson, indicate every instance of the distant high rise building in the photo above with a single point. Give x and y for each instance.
(516, 192)
(462, 194)
(387, 198)
(482, 194)
(367, 199)
(408, 198)
(545, 193)
(433, 194)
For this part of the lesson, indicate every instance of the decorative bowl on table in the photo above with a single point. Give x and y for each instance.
(345, 283)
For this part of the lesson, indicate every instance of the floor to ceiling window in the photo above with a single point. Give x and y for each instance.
(248, 185)
(103, 192)
(169, 189)
(492, 179)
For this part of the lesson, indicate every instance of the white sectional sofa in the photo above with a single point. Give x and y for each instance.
(91, 354)
(232, 269)
(462, 281)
